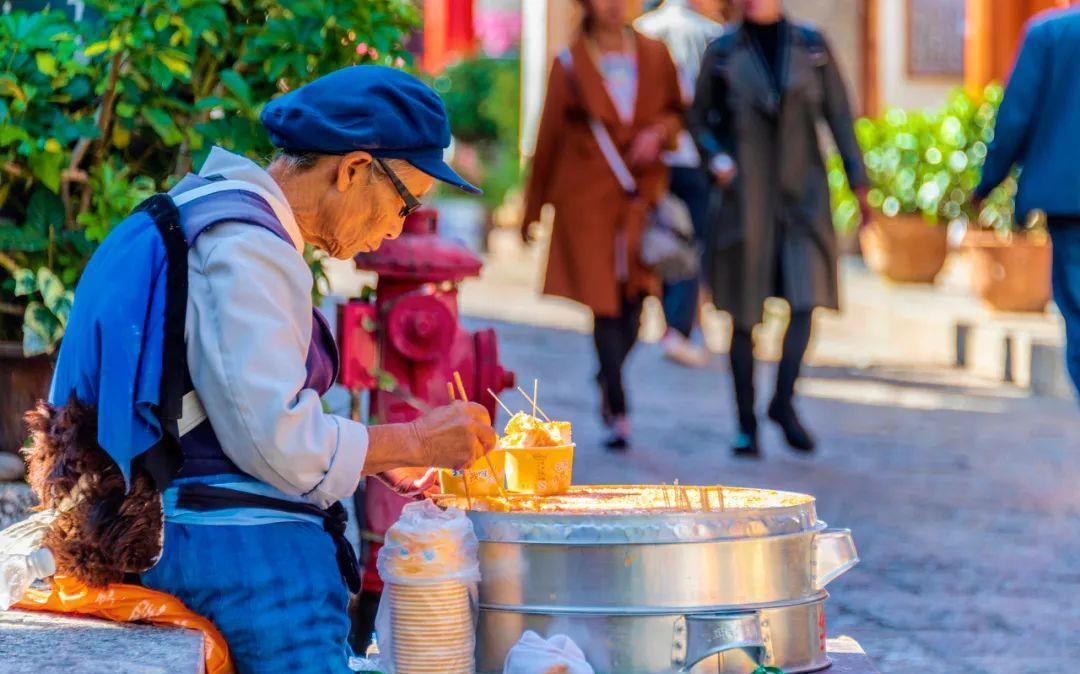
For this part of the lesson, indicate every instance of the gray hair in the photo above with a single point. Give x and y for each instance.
(295, 161)
(301, 160)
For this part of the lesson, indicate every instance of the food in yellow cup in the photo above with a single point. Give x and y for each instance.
(544, 471)
(481, 480)
(525, 430)
(539, 455)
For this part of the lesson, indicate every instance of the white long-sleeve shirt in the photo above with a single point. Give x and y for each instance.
(686, 34)
(248, 330)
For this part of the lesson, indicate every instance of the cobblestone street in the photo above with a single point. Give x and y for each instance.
(963, 497)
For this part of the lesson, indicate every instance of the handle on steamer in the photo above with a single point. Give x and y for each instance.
(701, 635)
(834, 555)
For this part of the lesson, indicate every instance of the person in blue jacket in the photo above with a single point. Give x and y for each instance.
(194, 322)
(1038, 130)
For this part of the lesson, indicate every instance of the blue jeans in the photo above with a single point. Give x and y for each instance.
(273, 590)
(1066, 239)
(680, 299)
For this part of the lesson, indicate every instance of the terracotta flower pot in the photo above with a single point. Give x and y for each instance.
(905, 248)
(1010, 274)
(23, 381)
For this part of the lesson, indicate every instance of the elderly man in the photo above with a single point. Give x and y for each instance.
(1036, 130)
(249, 466)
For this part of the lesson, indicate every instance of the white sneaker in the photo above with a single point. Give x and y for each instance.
(681, 350)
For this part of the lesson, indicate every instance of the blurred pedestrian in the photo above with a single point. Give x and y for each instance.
(763, 88)
(1037, 130)
(686, 27)
(593, 95)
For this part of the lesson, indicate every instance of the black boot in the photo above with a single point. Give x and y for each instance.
(798, 438)
(745, 443)
(782, 409)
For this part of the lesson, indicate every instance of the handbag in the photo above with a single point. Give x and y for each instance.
(667, 244)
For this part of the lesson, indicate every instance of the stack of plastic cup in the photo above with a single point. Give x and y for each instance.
(429, 564)
(433, 629)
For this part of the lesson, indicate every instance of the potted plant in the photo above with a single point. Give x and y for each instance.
(1010, 263)
(99, 114)
(922, 167)
(482, 96)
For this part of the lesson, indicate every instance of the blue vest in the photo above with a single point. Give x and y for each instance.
(202, 453)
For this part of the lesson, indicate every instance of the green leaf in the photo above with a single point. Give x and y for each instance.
(96, 48)
(41, 330)
(52, 290)
(211, 102)
(22, 239)
(44, 209)
(163, 125)
(12, 134)
(46, 167)
(62, 308)
(175, 62)
(160, 22)
(33, 343)
(235, 83)
(125, 110)
(46, 63)
(25, 282)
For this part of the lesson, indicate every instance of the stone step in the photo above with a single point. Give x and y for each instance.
(33, 642)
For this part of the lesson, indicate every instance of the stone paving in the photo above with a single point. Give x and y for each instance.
(963, 493)
(963, 496)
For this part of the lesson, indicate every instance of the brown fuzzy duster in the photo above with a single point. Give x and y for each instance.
(103, 531)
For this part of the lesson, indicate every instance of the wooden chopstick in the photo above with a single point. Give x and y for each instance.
(464, 471)
(487, 459)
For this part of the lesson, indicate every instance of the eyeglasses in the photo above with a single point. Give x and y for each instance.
(411, 202)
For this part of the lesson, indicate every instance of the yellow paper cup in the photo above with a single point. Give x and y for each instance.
(482, 481)
(544, 471)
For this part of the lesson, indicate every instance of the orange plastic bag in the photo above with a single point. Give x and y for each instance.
(130, 603)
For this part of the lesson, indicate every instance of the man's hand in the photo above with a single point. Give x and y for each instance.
(410, 481)
(455, 435)
(646, 147)
(865, 210)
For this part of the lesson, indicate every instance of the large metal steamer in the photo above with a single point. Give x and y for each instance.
(646, 585)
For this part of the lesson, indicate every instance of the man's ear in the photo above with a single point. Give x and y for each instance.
(352, 168)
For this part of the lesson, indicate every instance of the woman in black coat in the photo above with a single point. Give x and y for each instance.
(764, 87)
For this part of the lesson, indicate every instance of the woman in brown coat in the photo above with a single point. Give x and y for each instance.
(628, 83)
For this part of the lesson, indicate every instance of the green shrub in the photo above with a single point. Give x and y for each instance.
(925, 162)
(482, 98)
(96, 116)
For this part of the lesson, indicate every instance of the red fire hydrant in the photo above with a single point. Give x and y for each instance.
(403, 342)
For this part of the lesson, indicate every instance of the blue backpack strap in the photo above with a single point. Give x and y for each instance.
(234, 205)
(163, 459)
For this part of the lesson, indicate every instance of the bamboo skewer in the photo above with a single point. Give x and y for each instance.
(501, 403)
(487, 459)
(536, 395)
(464, 471)
(533, 402)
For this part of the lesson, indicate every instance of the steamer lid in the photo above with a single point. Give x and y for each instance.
(612, 515)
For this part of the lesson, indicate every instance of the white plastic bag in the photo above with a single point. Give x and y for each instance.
(23, 560)
(426, 622)
(533, 654)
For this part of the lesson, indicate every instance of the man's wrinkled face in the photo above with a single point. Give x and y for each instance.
(362, 208)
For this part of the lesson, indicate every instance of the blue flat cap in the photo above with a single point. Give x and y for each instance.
(381, 110)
